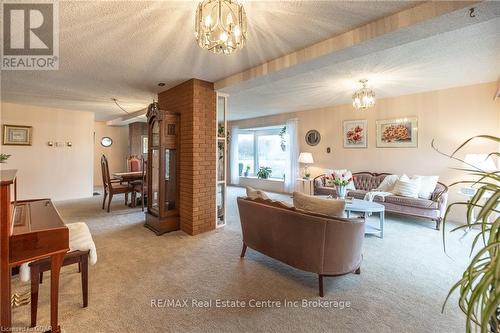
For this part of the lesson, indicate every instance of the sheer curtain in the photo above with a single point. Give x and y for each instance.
(292, 146)
(235, 177)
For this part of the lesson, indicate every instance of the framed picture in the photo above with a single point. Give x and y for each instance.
(355, 133)
(397, 133)
(17, 135)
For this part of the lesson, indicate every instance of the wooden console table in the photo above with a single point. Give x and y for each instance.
(29, 230)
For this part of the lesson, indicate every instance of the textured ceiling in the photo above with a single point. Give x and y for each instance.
(123, 49)
(461, 57)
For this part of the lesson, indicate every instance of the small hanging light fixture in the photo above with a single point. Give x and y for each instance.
(363, 98)
(221, 26)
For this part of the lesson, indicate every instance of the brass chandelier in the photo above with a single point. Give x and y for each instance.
(363, 98)
(221, 26)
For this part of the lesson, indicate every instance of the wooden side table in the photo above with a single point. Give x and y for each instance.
(305, 186)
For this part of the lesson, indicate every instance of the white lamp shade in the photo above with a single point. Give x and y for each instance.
(480, 161)
(306, 158)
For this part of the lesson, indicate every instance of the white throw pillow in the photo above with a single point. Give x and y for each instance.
(427, 186)
(407, 187)
(387, 184)
(347, 175)
(309, 203)
(256, 194)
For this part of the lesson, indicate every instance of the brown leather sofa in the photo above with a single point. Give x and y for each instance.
(311, 242)
(433, 209)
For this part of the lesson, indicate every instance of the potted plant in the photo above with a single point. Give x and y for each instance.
(282, 134)
(4, 158)
(341, 182)
(479, 286)
(264, 172)
(220, 131)
(247, 171)
(240, 169)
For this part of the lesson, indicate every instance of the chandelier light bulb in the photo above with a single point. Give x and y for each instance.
(363, 98)
(237, 31)
(208, 21)
(221, 26)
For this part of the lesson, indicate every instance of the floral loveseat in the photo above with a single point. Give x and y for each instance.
(433, 209)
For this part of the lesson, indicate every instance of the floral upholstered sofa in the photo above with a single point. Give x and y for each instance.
(433, 208)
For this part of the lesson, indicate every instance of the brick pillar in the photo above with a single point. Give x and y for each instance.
(195, 101)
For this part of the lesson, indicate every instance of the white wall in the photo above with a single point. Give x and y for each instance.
(116, 154)
(58, 173)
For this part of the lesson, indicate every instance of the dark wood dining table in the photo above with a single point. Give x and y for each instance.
(128, 176)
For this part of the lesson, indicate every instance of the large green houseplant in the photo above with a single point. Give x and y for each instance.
(479, 287)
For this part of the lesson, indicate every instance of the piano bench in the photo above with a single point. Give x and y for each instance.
(39, 266)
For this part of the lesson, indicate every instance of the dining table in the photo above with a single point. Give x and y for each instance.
(128, 176)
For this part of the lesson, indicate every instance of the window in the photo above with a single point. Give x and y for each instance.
(261, 147)
(246, 157)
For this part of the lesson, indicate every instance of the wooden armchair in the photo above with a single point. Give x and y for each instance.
(111, 186)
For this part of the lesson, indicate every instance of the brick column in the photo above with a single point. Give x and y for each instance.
(195, 101)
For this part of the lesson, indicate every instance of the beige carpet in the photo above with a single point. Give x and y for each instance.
(405, 278)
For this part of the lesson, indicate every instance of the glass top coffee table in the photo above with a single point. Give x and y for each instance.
(367, 207)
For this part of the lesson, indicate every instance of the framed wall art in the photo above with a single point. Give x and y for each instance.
(397, 133)
(355, 133)
(17, 135)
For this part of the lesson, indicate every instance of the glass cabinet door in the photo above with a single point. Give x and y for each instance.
(170, 179)
(155, 181)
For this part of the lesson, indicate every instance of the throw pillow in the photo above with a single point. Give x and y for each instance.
(387, 184)
(256, 194)
(407, 187)
(427, 186)
(309, 203)
(345, 174)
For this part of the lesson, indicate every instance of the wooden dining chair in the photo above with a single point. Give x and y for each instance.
(134, 163)
(111, 186)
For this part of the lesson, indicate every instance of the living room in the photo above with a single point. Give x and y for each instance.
(275, 166)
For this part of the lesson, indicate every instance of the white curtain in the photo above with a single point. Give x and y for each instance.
(292, 148)
(235, 177)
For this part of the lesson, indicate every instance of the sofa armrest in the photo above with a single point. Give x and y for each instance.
(441, 197)
(319, 181)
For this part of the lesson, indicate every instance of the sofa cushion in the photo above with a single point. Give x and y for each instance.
(411, 202)
(387, 184)
(357, 194)
(256, 194)
(407, 187)
(427, 186)
(309, 203)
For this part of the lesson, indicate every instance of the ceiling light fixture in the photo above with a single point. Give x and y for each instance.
(221, 26)
(364, 98)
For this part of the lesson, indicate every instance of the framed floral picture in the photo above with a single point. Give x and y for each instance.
(17, 135)
(355, 133)
(397, 133)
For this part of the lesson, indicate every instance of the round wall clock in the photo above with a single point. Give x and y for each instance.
(106, 141)
(313, 137)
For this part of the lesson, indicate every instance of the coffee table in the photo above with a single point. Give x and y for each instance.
(368, 207)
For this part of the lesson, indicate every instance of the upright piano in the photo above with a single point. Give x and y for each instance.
(29, 230)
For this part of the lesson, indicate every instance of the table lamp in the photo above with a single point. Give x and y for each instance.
(481, 162)
(306, 158)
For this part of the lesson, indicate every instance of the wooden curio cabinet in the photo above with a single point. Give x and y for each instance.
(162, 213)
